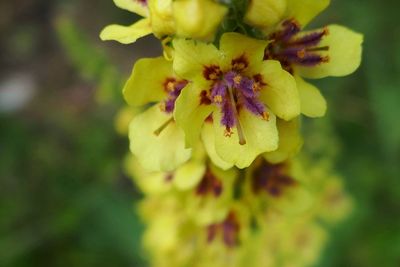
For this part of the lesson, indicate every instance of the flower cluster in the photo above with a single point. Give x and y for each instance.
(218, 124)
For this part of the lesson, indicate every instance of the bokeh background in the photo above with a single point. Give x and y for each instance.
(64, 197)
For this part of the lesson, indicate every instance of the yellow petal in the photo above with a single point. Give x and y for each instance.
(198, 19)
(189, 175)
(126, 34)
(208, 137)
(134, 6)
(163, 152)
(280, 93)
(290, 141)
(265, 13)
(192, 56)
(190, 114)
(235, 45)
(162, 20)
(344, 54)
(261, 136)
(305, 10)
(150, 183)
(312, 103)
(146, 83)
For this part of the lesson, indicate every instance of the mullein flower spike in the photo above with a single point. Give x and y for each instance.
(216, 129)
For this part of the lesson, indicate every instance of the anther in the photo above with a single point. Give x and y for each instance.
(162, 107)
(301, 53)
(228, 132)
(265, 115)
(325, 59)
(237, 79)
(217, 99)
(170, 86)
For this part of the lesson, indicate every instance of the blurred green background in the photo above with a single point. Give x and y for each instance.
(64, 198)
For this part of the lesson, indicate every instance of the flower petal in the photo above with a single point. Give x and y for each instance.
(146, 83)
(190, 113)
(208, 137)
(344, 54)
(312, 103)
(290, 141)
(306, 10)
(280, 93)
(192, 56)
(235, 45)
(162, 20)
(189, 175)
(163, 152)
(261, 136)
(265, 13)
(134, 6)
(150, 183)
(126, 34)
(198, 19)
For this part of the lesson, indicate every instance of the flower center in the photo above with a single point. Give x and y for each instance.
(272, 178)
(290, 48)
(229, 229)
(173, 87)
(232, 91)
(209, 185)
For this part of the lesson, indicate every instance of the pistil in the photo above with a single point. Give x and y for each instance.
(242, 139)
(163, 126)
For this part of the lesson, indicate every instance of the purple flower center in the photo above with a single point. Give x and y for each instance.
(210, 184)
(271, 178)
(229, 229)
(291, 49)
(232, 91)
(173, 87)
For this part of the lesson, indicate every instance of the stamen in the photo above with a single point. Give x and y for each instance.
(217, 99)
(170, 86)
(242, 139)
(237, 79)
(265, 115)
(163, 107)
(163, 126)
(301, 53)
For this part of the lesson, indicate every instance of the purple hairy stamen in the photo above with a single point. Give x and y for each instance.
(173, 89)
(233, 91)
(291, 49)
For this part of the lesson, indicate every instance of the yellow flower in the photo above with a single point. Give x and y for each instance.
(154, 136)
(242, 93)
(331, 51)
(197, 19)
(129, 34)
(205, 190)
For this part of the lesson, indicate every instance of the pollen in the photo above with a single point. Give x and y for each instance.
(265, 116)
(228, 132)
(325, 59)
(162, 107)
(218, 99)
(301, 53)
(256, 87)
(170, 86)
(237, 79)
